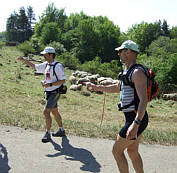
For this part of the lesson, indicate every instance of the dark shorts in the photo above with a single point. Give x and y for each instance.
(129, 118)
(52, 98)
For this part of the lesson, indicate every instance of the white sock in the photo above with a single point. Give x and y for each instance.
(61, 128)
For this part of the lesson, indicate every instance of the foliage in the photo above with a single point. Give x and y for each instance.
(159, 47)
(68, 60)
(35, 43)
(19, 25)
(163, 64)
(50, 32)
(51, 15)
(95, 66)
(145, 33)
(173, 32)
(84, 36)
(59, 48)
(2, 36)
(166, 74)
(26, 48)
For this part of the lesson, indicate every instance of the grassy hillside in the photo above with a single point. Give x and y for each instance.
(22, 101)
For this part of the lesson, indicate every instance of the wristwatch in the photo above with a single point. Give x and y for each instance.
(137, 121)
(51, 84)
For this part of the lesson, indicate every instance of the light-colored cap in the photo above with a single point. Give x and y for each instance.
(129, 44)
(48, 50)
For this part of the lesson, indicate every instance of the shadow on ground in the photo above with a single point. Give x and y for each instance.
(4, 167)
(76, 154)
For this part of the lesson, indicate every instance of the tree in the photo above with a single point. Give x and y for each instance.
(158, 48)
(31, 17)
(90, 37)
(162, 47)
(173, 32)
(19, 25)
(165, 29)
(23, 26)
(11, 27)
(52, 14)
(143, 34)
(50, 33)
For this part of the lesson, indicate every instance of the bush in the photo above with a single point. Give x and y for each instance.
(35, 43)
(68, 60)
(95, 66)
(59, 48)
(167, 74)
(26, 48)
(165, 70)
(91, 66)
(1, 44)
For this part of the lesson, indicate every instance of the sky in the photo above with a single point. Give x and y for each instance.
(124, 13)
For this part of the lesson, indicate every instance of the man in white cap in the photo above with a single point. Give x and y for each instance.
(54, 78)
(135, 111)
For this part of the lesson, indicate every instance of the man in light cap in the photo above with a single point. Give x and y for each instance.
(136, 117)
(54, 78)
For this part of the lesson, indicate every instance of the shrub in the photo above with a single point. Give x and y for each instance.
(111, 69)
(35, 43)
(26, 48)
(59, 48)
(166, 74)
(165, 69)
(68, 60)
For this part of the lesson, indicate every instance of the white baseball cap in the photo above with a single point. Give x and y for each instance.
(48, 50)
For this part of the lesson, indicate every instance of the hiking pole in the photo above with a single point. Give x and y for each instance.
(90, 88)
(102, 116)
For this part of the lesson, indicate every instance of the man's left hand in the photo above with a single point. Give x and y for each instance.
(132, 131)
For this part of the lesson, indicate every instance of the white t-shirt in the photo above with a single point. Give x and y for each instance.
(47, 70)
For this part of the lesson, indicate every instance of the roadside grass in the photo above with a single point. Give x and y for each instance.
(22, 102)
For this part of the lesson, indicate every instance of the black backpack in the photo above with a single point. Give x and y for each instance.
(152, 85)
(63, 87)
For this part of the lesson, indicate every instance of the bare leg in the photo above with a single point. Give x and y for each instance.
(57, 117)
(118, 152)
(135, 157)
(48, 119)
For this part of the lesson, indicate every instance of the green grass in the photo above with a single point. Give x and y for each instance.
(22, 103)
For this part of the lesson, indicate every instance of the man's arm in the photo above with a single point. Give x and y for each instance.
(115, 88)
(26, 62)
(140, 81)
(60, 82)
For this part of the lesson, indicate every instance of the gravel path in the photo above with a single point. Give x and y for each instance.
(21, 151)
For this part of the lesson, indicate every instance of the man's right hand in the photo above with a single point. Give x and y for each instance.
(20, 58)
(91, 87)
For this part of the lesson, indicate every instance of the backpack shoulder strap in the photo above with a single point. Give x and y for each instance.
(54, 73)
(133, 67)
(126, 79)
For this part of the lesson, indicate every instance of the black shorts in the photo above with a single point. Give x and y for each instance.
(129, 118)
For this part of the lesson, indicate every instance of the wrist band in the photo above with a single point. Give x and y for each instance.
(137, 121)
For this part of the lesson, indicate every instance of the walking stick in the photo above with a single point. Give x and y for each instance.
(103, 109)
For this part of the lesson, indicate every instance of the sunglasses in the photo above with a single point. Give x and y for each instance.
(120, 51)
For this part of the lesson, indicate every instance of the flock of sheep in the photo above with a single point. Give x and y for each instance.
(78, 78)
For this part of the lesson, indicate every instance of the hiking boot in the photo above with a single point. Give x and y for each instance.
(59, 133)
(46, 138)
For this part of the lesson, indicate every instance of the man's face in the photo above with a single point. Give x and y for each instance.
(123, 55)
(48, 57)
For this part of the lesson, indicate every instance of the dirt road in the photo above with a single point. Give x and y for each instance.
(21, 151)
